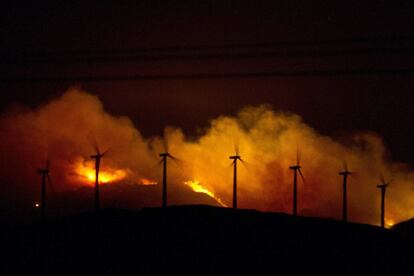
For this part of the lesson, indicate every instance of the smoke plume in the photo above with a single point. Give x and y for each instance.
(64, 131)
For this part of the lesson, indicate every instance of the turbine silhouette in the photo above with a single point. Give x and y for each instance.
(345, 173)
(235, 158)
(296, 168)
(98, 156)
(45, 176)
(164, 156)
(383, 186)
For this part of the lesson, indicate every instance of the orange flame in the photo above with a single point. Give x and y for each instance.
(86, 172)
(389, 222)
(146, 181)
(198, 188)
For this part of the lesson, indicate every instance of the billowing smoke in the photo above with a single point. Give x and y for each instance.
(65, 129)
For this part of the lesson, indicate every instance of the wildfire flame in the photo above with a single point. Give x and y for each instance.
(389, 222)
(198, 188)
(86, 172)
(146, 181)
(268, 139)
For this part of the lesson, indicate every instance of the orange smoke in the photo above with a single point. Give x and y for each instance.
(267, 140)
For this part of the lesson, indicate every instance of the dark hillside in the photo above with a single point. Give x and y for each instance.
(203, 240)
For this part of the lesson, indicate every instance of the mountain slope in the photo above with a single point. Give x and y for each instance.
(203, 240)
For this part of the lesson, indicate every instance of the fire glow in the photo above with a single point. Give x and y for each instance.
(145, 181)
(389, 223)
(198, 188)
(267, 139)
(86, 171)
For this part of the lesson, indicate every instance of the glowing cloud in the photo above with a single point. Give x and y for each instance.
(267, 139)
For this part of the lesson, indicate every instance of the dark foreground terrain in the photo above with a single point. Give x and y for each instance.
(203, 240)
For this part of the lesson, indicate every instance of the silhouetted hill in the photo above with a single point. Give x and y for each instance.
(406, 229)
(112, 196)
(203, 240)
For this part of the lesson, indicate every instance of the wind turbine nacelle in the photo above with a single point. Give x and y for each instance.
(295, 167)
(43, 171)
(235, 157)
(382, 186)
(345, 173)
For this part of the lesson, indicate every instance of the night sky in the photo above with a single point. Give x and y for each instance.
(364, 50)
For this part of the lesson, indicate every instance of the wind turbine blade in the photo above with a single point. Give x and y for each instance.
(177, 161)
(179, 164)
(94, 143)
(47, 164)
(156, 165)
(382, 178)
(243, 161)
(245, 164)
(236, 144)
(50, 183)
(47, 157)
(301, 175)
(165, 144)
(236, 148)
(298, 157)
(345, 165)
(105, 152)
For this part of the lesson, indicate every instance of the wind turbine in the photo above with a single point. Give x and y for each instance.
(164, 156)
(296, 168)
(345, 173)
(45, 175)
(98, 155)
(235, 158)
(383, 186)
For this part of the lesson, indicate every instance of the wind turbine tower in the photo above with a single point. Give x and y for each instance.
(235, 158)
(45, 176)
(345, 173)
(383, 186)
(296, 168)
(164, 156)
(98, 156)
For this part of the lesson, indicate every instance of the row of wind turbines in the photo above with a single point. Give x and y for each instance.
(297, 170)
(235, 158)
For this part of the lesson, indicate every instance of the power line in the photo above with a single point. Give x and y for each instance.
(236, 50)
(203, 47)
(199, 56)
(213, 76)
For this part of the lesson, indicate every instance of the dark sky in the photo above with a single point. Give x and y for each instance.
(365, 48)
